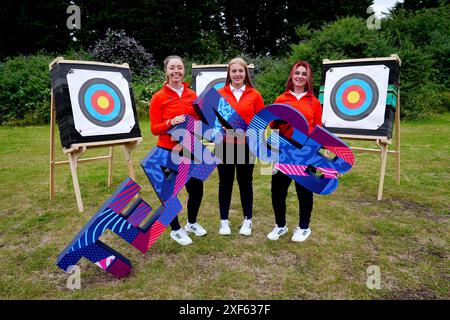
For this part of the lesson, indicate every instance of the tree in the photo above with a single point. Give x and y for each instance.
(185, 27)
(414, 5)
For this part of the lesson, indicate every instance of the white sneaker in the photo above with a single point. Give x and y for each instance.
(277, 232)
(224, 228)
(181, 237)
(246, 228)
(301, 234)
(197, 229)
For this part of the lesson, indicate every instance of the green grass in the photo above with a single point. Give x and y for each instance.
(406, 234)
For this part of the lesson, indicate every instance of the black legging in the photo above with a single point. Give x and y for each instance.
(243, 166)
(280, 186)
(194, 188)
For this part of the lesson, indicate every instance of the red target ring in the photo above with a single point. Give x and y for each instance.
(102, 102)
(353, 97)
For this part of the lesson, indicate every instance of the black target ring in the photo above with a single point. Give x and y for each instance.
(111, 96)
(362, 83)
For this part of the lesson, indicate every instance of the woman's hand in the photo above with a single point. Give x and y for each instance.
(177, 120)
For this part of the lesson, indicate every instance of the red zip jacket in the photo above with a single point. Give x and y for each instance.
(308, 105)
(250, 103)
(165, 105)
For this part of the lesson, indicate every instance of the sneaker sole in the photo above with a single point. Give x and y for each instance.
(301, 240)
(278, 236)
(198, 235)
(180, 243)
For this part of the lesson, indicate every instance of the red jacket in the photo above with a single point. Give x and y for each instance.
(308, 105)
(250, 103)
(165, 105)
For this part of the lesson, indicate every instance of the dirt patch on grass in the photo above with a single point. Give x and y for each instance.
(413, 294)
(417, 209)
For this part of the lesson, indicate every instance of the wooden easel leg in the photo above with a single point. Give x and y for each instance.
(110, 166)
(127, 148)
(397, 166)
(76, 186)
(397, 141)
(384, 148)
(52, 146)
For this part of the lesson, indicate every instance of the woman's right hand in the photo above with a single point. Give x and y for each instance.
(177, 120)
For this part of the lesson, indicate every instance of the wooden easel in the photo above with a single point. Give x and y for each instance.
(77, 150)
(382, 142)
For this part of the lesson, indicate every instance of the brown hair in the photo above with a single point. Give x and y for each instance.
(168, 58)
(247, 80)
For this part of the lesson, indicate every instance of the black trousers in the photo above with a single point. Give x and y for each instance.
(280, 186)
(194, 188)
(240, 162)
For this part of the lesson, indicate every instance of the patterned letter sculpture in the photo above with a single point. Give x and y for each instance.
(87, 244)
(300, 155)
(168, 171)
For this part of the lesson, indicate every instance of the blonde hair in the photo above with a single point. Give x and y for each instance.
(240, 61)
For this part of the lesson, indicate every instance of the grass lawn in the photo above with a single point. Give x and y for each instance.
(406, 235)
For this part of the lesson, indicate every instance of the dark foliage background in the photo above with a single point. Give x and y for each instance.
(271, 34)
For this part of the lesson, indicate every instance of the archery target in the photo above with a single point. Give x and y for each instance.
(355, 97)
(101, 102)
(215, 79)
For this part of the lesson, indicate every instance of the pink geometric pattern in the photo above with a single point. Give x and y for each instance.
(328, 173)
(104, 264)
(344, 153)
(154, 233)
(182, 176)
(292, 169)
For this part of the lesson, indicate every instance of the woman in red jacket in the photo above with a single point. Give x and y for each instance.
(168, 107)
(299, 94)
(247, 101)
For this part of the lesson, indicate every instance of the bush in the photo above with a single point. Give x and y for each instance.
(144, 88)
(347, 38)
(423, 42)
(270, 81)
(344, 39)
(421, 39)
(118, 48)
(25, 90)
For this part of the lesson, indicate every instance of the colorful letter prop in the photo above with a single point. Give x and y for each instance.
(87, 244)
(169, 171)
(299, 157)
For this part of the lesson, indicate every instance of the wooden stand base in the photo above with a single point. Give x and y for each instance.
(77, 150)
(383, 145)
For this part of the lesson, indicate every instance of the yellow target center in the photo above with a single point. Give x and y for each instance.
(353, 97)
(103, 102)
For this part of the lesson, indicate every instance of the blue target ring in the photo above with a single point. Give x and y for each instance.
(216, 84)
(85, 95)
(339, 101)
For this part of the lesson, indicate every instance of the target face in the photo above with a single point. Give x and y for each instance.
(101, 102)
(354, 97)
(208, 79)
(217, 83)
